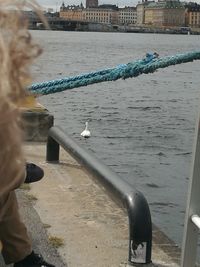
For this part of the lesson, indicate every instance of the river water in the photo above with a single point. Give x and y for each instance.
(143, 128)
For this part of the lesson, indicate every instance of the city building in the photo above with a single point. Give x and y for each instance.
(192, 15)
(72, 12)
(127, 15)
(161, 13)
(140, 9)
(103, 14)
(167, 13)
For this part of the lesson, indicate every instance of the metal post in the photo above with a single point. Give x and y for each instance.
(140, 229)
(190, 239)
(52, 150)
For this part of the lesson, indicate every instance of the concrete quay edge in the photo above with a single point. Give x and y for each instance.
(36, 121)
(74, 208)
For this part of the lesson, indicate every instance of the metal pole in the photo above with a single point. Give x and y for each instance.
(190, 238)
(140, 229)
(52, 150)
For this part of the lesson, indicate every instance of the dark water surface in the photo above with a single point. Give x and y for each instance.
(143, 127)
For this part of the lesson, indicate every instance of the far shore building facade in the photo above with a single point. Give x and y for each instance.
(140, 9)
(162, 13)
(71, 12)
(192, 15)
(103, 14)
(148, 13)
(165, 14)
(127, 15)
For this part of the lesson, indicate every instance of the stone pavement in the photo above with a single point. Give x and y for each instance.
(70, 209)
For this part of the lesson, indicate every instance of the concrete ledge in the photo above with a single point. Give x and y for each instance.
(36, 123)
(164, 245)
(36, 120)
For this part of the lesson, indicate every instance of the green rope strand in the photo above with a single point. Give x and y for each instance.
(123, 71)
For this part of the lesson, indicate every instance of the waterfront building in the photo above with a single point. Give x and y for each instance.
(127, 15)
(192, 15)
(140, 9)
(165, 14)
(72, 12)
(103, 14)
(91, 3)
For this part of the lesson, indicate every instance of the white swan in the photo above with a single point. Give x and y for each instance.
(86, 132)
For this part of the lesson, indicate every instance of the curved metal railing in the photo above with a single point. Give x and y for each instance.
(140, 225)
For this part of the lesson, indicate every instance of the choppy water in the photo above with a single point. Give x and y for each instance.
(143, 128)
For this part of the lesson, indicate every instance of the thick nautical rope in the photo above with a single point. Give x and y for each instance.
(123, 71)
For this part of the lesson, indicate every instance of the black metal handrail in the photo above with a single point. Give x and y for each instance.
(140, 225)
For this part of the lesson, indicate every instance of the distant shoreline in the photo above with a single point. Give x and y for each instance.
(125, 29)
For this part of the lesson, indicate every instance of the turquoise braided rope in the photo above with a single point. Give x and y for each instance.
(123, 71)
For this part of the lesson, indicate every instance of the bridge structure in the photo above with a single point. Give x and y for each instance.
(57, 23)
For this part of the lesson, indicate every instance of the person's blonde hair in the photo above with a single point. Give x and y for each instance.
(17, 51)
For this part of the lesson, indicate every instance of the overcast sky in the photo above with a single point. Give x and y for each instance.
(57, 3)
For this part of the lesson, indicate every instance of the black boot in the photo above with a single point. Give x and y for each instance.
(33, 260)
(33, 173)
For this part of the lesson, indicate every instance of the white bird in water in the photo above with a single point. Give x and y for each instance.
(86, 132)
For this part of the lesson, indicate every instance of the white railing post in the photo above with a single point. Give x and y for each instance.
(192, 220)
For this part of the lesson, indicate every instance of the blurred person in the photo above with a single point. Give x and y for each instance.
(17, 51)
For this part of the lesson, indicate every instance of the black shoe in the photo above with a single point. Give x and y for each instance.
(33, 260)
(33, 173)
